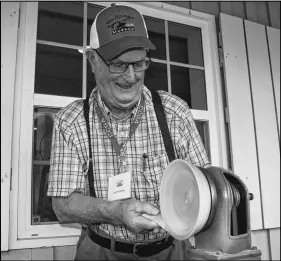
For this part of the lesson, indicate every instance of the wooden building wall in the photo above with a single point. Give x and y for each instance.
(265, 13)
(268, 240)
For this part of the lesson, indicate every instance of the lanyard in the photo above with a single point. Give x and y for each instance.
(120, 149)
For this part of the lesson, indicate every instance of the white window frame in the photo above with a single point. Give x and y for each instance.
(22, 233)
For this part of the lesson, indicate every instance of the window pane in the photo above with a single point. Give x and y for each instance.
(156, 77)
(189, 84)
(185, 44)
(61, 22)
(203, 129)
(92, 13)
(58, 71)
(156, 33)
(43, 119)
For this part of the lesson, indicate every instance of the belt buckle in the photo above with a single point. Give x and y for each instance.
(135, 250)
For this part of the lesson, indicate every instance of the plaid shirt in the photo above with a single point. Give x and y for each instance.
(70, 152)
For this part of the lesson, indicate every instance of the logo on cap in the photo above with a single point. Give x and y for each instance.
(122, 26)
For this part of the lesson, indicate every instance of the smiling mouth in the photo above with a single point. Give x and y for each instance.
(126, 87)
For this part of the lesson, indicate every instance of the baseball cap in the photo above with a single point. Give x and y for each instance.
(118, 28)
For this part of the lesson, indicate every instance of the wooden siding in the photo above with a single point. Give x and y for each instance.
(249, 70)
(264, 113)
(42, 253)
(274, 53)
(274, 14)
(261, 12)
(240, 111)
(9, 32)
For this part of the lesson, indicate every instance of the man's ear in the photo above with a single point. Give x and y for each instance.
(91, 58)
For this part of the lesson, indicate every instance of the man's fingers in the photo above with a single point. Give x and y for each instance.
(144, 207)
(145, 223)
(133, 215)
(159, 230)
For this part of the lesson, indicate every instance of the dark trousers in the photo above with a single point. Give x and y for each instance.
(89, 250)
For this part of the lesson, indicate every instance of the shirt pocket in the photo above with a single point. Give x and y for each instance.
(155, 166)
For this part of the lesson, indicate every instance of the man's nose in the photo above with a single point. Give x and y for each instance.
(129, 74)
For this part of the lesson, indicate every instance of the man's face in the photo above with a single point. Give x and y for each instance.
(121, 90)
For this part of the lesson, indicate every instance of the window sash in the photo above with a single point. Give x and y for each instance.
(22, 230)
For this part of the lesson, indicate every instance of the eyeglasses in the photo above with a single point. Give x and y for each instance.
(138, 66)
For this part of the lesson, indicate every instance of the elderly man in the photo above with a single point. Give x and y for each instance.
(108, 153)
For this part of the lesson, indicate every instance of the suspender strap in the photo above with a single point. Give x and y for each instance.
(162, 121)
(90, 170)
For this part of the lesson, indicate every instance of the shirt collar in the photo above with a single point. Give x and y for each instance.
(106, 111)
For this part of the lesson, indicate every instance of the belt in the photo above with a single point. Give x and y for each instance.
(139, 249)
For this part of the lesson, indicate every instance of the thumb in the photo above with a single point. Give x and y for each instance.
(149, 209)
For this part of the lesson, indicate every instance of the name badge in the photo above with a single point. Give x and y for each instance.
(119, 186)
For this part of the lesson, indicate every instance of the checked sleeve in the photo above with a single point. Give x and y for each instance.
(66, 171)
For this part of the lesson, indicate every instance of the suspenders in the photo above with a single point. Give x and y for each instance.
(90, 170)
(162, 121)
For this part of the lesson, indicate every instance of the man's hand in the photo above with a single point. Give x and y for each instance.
(159, 230)
(78, 208)
(158, 220)
(130, 214)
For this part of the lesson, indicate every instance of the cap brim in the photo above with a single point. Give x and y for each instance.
(115, 48)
